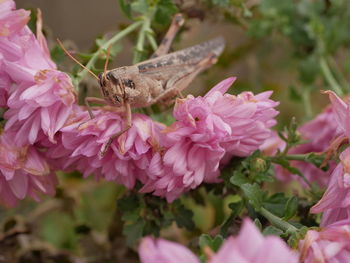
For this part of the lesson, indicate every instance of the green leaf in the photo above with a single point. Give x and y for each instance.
(236, 209)
(254, 194)
(183, 217)
(207, 241)
(134, 232)
(139, 6)
(165, 10)
(125, 7)
(238, 178)
(291, 208)
(315, 159)
(276, 204)
(271, 230)
(128, 203)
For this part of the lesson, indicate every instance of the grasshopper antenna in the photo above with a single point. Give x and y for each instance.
(75, 60)
(106, 63)
(107, 59)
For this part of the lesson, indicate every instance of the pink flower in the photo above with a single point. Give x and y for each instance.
(128, 157)
(331, 244)
(163, 251)
(23, 172)
(251, 118)
(331, 216)
(251, 246)
(22, 55)
(337, 194)
(11, 20)
(41, 109)
(341, 112)
(207, 129)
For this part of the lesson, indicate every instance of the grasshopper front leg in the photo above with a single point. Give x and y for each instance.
(125, 129)
(93, 99)
(177, 22)
(89, 108)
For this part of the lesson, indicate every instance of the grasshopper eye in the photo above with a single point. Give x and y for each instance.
(102, 80)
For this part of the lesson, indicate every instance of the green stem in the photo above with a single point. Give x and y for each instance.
(294, 157)
(105, 46)
(329, 77)
(277, 221)
(152, 41)
(339, 74)
(297, 157)
(141, 40)
(307, 104)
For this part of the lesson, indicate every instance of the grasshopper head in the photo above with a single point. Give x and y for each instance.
(116, 90)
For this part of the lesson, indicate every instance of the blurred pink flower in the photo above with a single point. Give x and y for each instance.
(335, 202)
(162, 251)
(331, 216)
(337, 194)
(250, 246)
(23, 172)
(331, 244)
(341, 112)
(11, 20)
(207, 129)
(43, 107)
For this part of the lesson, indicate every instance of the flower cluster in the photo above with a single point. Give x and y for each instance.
(248, 246)
(42, 115)
(29, 81)
(208, 131)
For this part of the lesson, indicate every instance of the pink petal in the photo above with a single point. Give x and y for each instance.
(222, 86)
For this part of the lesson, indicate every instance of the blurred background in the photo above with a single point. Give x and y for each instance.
(293, 47)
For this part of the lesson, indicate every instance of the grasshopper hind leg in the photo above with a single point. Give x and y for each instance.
(177, 22)
(182, 80)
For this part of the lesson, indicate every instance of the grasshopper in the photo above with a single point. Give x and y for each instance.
(158, 79)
